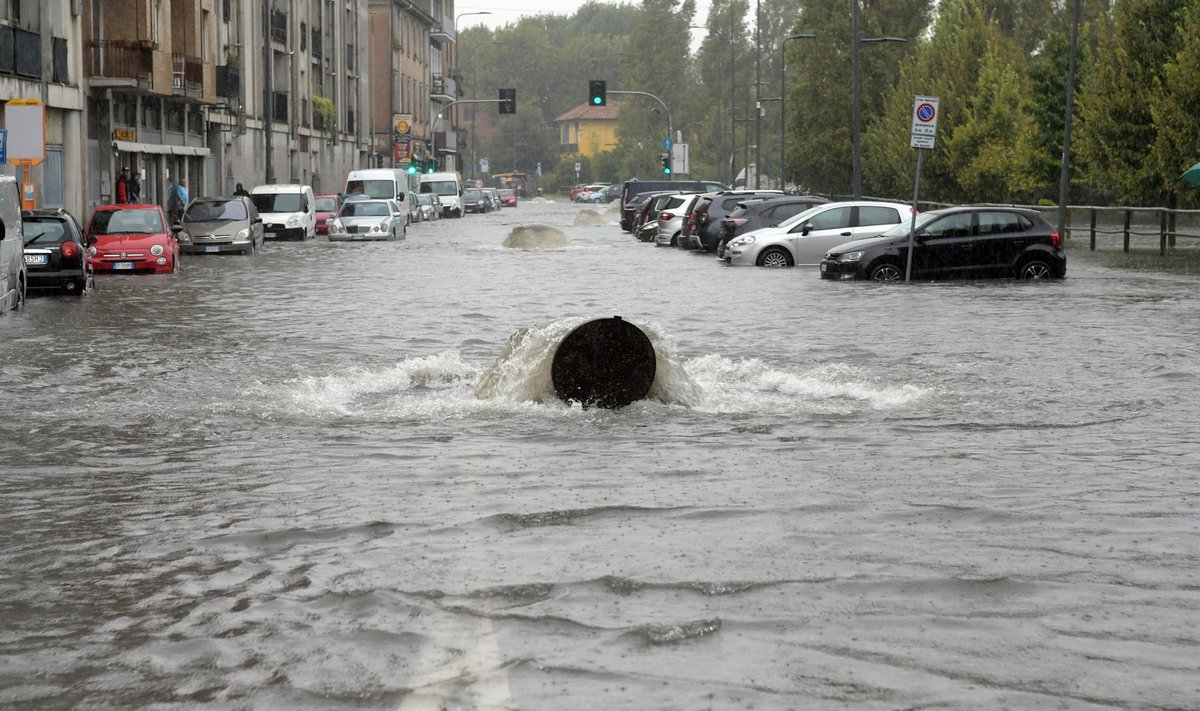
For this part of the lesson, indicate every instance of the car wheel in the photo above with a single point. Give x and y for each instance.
(1035, 269)
(886, 272)
(75, 287)
(18, 299)
(675, 240)
(775, 257)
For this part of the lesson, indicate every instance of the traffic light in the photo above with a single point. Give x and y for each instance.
(412, 168)
(597, 93)
(666, 163)
(508, 101)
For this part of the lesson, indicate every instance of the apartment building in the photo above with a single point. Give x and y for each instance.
(41, 60)
(412, 47)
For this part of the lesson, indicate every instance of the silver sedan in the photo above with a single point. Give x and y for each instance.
(361, 220)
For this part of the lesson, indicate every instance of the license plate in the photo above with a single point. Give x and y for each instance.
(122, 266)
(824, 267)
(37, 259)
(212, 249)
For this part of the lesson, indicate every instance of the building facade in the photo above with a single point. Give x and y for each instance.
(588, 130)
(41, 59)
(413, 46)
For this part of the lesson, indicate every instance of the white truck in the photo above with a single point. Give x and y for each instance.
(449, 189)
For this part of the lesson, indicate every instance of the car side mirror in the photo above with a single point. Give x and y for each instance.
(176, 228)
(90, 240)
(258, 220)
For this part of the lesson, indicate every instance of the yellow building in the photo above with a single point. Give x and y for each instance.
(588, 130)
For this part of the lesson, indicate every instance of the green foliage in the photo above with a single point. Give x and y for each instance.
(1176, 113)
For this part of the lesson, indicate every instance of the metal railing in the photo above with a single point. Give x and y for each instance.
(120, 59)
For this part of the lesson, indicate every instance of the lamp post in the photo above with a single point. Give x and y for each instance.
(783, 105)
(458, 17)
(856, 69)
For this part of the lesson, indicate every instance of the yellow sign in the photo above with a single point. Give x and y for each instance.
(124, 134)
(402, 123)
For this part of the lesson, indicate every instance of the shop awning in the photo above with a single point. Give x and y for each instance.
(131, 147)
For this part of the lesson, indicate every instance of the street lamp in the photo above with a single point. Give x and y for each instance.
(855, 41)
(783, 106)
(458, 65)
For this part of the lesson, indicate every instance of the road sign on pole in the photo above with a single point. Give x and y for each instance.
(680, 159)
(924, 122)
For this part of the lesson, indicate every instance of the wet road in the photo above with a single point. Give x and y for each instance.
(275, 482)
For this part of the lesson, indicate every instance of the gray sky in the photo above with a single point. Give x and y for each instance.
(510, 11)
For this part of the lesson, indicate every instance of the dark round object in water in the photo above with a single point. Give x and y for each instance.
(605, 363)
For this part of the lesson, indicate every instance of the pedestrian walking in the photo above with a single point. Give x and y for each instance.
(177, 200)
(122, 191)
(134, 189)
(240, 191)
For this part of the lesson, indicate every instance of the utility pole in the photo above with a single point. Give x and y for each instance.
(268, 98)
(758, 91)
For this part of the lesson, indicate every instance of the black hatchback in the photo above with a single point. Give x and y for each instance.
(953, 243)
(706, 219)
(55, 251)
(755, 214)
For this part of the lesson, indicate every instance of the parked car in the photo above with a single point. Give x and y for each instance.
(804, 238)
(12, 246)
(756, 214)
(648, 213)
(55, 253)
(493, 196)
(706, 220)
(361, 220)
(474, 200)
(956, 242)
(508, 197)
(633, 187)
(412, 206)
(327, 207)
(215, 225)
(670, 218)
(431, 207)
(637, 208)
(131, 238)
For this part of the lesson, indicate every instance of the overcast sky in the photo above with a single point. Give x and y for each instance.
(510, 11)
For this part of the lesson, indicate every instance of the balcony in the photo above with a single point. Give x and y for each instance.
(20, 52)
(187, 75)
(132, 62)
(229, 81)
(443, 89)
(279, 30)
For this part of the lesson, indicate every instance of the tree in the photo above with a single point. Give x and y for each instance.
(1177, 112)
(1118, 132)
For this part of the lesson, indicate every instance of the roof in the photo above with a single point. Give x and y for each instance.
(592, 113)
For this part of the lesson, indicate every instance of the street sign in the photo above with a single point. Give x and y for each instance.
(680, 159)
(484, 166)
(3, 146)
(25, 120)
(666, 144)
(924, 122)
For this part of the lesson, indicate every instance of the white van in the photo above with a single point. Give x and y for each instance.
(378, 183)
(12, 246)
(287, 211)
(448, 187)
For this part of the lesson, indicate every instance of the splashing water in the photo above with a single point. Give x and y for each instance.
(588, 217)
(536, 237)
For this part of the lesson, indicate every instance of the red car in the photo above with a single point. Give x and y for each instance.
(508, 197)
(327, 207)
(131, 238)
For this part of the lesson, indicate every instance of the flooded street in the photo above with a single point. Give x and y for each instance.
(273, 482)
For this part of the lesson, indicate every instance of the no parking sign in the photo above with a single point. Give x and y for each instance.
(924, 121)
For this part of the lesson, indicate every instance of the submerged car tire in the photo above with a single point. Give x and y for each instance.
(1035, 269)
(886, 271)
(775, 258)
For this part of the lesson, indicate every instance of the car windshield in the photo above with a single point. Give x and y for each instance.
(441, 187)
(473, 194)
(902, 229)
(126, 222)
(364, 209)
(326, 204)
(506, 193)
(215, 211)
(380, 189)
(278, 202)
(44, 231)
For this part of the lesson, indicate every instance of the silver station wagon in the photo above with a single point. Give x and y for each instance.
(360, 220)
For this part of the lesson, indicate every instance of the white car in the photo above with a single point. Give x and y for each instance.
(806, 237)
(670, 219)
(360, 220)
